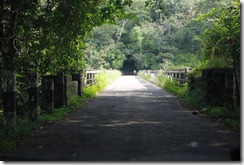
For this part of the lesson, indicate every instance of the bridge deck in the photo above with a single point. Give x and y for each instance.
(131, 119)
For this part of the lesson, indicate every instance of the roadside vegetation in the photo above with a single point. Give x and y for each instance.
(11, 136)
(194, 99)
(104, 34)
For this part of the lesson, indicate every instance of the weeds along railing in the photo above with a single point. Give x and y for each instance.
(89, 77)
(179, 76)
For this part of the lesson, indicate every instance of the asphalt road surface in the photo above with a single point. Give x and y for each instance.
(131, 120)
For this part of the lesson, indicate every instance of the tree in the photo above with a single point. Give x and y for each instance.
(157, 36)
(47, 35)
(222, 40)
(104, 50)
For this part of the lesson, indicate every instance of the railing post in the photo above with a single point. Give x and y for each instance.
(179, 80)
(88, 79)
(185, 76)
(229, 85)
(78, 78)
(33, 96)
(85, 79)
(65, 91)
(48, 93)
(93, 78)
(60, 92)
(9, 98)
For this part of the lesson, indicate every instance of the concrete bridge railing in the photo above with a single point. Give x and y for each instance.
(53, 91)
(180, 76)
(217, 84)
(89, 77)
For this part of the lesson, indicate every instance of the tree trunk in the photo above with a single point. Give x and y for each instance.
(121, 29)
(12, 32)
(237, 80)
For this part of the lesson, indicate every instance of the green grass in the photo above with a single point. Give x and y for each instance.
(11, 136)
(230, 118)
(56, 115)
(76, 102)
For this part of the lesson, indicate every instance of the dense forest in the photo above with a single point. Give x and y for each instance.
(168, 34)
(47, 35)
(51, 35)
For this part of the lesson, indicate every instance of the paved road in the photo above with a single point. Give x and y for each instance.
(131, 120)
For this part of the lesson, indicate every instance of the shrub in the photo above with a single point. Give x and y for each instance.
(75, 102)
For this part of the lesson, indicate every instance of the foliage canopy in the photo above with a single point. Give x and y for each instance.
(47, 35)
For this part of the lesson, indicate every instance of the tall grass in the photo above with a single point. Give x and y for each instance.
(102, 80)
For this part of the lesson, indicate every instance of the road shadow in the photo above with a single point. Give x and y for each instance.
(146, 124)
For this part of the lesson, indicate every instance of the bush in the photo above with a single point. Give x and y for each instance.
(90, 91)
(217, 112)
(195, 98)
(75, 102)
